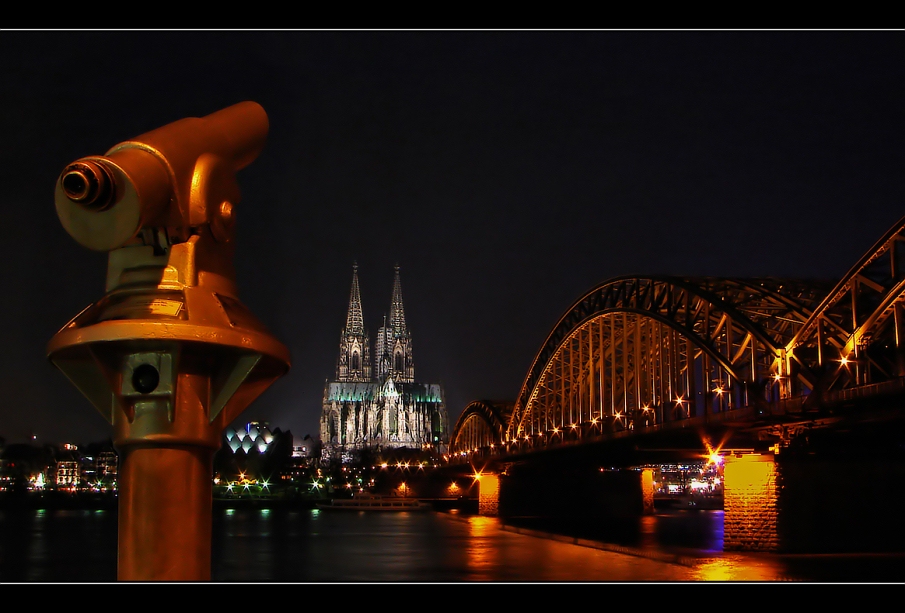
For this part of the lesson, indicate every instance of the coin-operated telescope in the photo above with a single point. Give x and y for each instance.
(169, 355)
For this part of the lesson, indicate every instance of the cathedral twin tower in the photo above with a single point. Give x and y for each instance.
(374, 402)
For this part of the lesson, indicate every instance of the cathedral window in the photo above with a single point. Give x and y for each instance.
(399, 362)
(355, 362)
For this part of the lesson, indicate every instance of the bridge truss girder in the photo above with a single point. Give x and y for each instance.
(856, 334)
(637, 351)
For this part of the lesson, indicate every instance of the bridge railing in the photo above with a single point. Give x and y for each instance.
(863, 392)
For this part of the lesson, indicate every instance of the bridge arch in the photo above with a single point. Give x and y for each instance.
(856, 334)
(636, 351)
(480, 426)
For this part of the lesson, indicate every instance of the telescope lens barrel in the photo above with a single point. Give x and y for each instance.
(174, 177)
(88, 184)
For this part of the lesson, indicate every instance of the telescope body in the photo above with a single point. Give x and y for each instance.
(169, 355)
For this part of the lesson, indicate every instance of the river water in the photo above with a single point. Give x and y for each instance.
(284, 545)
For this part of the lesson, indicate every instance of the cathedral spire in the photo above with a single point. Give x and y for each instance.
(397, 312)
(354, 318)
(354, 362)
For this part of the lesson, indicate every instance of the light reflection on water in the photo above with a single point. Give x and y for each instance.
(480, 555)
(737, 568)
(311, 546)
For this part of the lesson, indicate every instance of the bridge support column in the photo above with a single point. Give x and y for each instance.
(750, 495)
(647, 491)
(489, 494)
(899, 323)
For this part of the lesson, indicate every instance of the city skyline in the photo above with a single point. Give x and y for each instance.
(506, 173)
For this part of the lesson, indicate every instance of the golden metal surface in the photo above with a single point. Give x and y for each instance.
(169, 355)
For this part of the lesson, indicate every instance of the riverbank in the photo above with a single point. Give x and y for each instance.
(53, 500)
(693, 539)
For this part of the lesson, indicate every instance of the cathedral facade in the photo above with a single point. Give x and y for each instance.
(375, 402)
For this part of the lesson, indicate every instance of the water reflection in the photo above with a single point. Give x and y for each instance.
(647, 531)
(481, 554)
(311, 546)
(498, 554)
(57, 545)
(701, 530)
(738, 568)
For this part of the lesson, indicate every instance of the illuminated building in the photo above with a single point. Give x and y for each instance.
(68, 468)
(106, 468)
(375, 402)
(256, 436)
(254, 450)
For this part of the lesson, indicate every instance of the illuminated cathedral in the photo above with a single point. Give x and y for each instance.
(375, 402)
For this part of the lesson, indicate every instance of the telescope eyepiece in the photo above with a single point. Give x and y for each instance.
(145, 379)
(88, 184)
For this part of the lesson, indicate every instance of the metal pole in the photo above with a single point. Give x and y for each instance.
(165, 514)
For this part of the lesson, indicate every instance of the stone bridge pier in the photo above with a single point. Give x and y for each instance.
(814, 503)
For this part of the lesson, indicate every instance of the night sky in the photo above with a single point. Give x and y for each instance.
(505, 172)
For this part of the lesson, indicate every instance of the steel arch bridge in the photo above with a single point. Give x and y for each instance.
(639, 352)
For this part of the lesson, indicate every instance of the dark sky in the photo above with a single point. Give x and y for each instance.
(506, 172)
